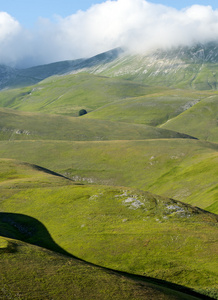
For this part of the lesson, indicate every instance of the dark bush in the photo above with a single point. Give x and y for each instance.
(82, 112)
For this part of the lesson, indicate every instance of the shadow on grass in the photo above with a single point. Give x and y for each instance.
(30, 230)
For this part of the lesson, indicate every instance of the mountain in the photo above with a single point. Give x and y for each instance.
(10, 77)
(192, 67)
(183, 67)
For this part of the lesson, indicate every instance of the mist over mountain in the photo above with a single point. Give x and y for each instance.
(136, 25)
(184, 67)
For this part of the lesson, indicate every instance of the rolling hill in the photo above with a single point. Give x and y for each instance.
(119, 100)
(17, 125)
(30, 272)
(182, 169)
(76, 219)
(200, 120)
(126, 194)
(68, 94)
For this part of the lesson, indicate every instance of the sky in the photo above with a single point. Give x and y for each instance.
(44, 31)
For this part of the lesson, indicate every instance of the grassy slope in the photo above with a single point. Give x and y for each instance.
(115, 100)
(178, 168)
(182, 77)
(163, 70)
(68, 94)
(16, 125)
(200, 120)
(119, 228)
(27, 175)
(150, 109)
(29, 272)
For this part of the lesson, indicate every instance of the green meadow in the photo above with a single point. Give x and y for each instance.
(200, 120)
(120, 203)
(30, 272)
(182, 169)
(17, 125)
(114, 227)
(68, 94)
(115, 100)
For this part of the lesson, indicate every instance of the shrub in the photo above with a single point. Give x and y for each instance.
(82, 112)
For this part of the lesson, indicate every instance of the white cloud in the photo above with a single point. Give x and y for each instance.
(8, 26)
(135, 24)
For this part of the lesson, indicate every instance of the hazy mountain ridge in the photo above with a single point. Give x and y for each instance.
(11, 77)
(184, 67)
(193, 67)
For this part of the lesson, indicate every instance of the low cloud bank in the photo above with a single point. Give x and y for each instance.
(134, 24)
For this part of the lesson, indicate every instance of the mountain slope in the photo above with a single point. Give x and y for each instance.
(106, 98)
(119, 228)
(182, 67)
(30, 272)
(200, 120)
(15, 125)
(10, 77)
(68, 94)
(182, 169)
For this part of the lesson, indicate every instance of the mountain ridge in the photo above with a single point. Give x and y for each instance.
(11, 77)
(196, 64)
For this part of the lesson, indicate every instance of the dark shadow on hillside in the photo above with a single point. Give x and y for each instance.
(47, 171)
(166, 285)
(30, 230)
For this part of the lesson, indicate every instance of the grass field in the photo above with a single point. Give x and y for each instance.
(200, 120)
(117, 100)
(118, 228)
(16, 125)
(68, 94)
(29, 272)
(177, 168)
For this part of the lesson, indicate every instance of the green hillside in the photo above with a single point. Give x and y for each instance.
(153, 110)
(29, 272)
(201, 120)
(109, 99)
(165, 71)
(16, 125)
(26, 270)
(68, 94)
(119, 228)
(182, 169)
(182, 67)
